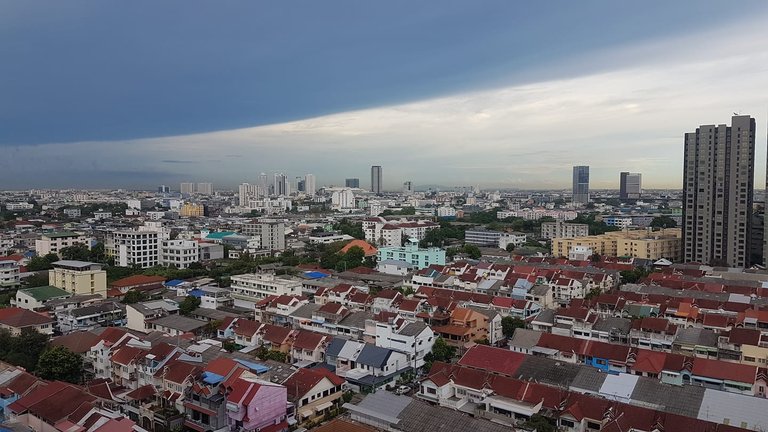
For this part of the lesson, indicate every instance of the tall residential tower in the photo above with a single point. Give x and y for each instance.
(376, 179)
(718, 184)
(630, 185)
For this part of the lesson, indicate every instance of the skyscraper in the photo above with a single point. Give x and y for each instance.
(376, 179)
(187, 188)
(581, 184)
(281, 185)
(630, 185)
(264, 185)
(309, 184)
(352, 183)
(718, 183)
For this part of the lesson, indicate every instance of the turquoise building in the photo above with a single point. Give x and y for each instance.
(411, 253)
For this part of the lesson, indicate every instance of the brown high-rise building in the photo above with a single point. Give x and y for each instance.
(718, 184)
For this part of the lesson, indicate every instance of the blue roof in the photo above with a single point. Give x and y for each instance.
(197, 292)
(256, 367)
(334, 348)
(371, 355)
(212, 378)
(219, 235)
(315, 274)
(173, 283)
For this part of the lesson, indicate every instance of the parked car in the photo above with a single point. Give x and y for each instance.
(402, 390)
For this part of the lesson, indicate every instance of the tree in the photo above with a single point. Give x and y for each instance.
(595, 257)
(509, 324)
(36, 280)
(632, 276)
(38, 264)
(510, 247)
(539, 423)
(663, 222)
(189, 304)
(23, 350)
(59, 363)
(134, 296)
(472, 251)
(264, 353)
(593, 293)
(77, 252)
(354, 257)
(97, 253)
(441, 352)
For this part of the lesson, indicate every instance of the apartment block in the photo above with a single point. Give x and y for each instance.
(179, 253)
(550, 230)
(637, 244)
(718, 185)
(79, 277)
(248, 289)
(411, 253)
(270, 233)
(141, 248)
(9, 275)
(630, 185)
(54, 242)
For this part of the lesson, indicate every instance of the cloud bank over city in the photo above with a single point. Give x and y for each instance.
(614, 106)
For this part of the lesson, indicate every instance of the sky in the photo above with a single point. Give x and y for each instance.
(106, 94)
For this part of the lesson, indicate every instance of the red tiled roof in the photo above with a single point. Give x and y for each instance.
(20, 318)
(308, 340)
(52, 402)
(492, 359)
(221, 366)
(127, 354)
(368, 250)
(77, 342)
(142, 393)
(275, 334)
(303, 380)
(724, 370)
(177, 371)
(743, 336)
(246, 327)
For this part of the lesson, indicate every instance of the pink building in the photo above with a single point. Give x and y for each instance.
(253, 404)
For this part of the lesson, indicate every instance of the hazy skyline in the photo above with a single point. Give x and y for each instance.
(499, 94)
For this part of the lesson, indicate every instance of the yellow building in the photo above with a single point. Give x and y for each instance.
(192, 210)
(666, 243)
(79, 277)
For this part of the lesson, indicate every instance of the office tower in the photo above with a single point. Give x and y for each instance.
(630, 185)
(310, 184)
(205, 188)
(163, 189)
(580, 184)
(281, 185)
(187, 188)
(376, 179)
(301, 184)
(265, 186)
(718, 183)
(352, 183)
(408, 188)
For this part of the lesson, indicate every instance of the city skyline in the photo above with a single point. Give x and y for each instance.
(618, 106)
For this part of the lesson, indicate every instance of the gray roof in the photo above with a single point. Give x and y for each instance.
(381, 405)
(539, 290)
(696, 336)
(213, 314)
(178, 322)
(716, 406)
(547, 371)
(525, 338)
(76, 264)
(588, 380)
(306, 311)
(356, 319)
(374, 356)
(334, 348)
(606, 324)
(413, 329)
(98, 308)
(683, 400)
(420, 416)
(546, 316)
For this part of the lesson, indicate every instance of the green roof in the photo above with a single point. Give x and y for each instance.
(61, 234)
(218, 235)
(45, 293)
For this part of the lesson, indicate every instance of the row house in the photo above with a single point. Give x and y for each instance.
(90, 317)
(414, 339)
(742, 345)
(653, 333)
(97, 361)
(314, 393)
(466, 327)
(277, 309)
(255, 405)
(386, 300)
(366, 367)
(205, 403)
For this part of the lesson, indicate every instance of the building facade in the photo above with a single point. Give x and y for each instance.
(79, 277)
(179, 253)
(352, 183)
(550, 230)
(580, 184)
(54, 242)
(411, 253)
(141, 248)
(376, 178)
(718, 184)
(630, 185)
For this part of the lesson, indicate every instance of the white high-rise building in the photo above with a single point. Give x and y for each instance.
(134, 247)
(408, 188)
(309, 184)
(343, 199)
(187, 188)
(247, 192)
(205, 188)
(179, 253)
(281, 185)
(264, 185)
